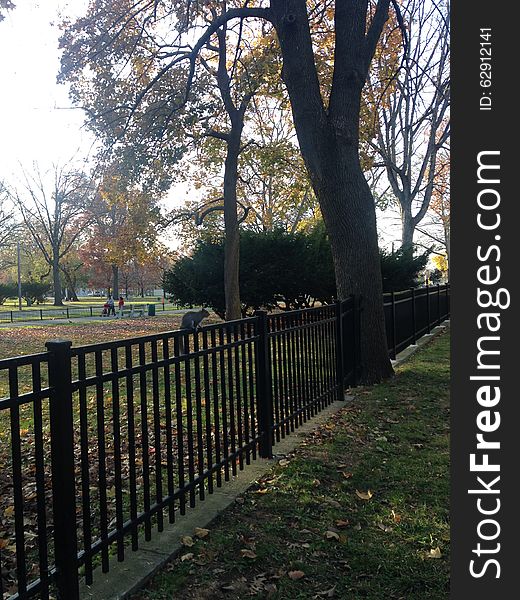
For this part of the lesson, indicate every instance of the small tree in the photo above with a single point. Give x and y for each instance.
(34, 292)
(7, 290)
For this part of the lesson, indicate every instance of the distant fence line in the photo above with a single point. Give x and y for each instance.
(102, 443)
(71, 312)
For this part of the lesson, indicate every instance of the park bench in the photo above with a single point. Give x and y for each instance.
(132, 311)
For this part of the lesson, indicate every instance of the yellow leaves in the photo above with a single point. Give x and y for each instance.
(187, 540)
(434, 553)
(201, 533)
(364, 495)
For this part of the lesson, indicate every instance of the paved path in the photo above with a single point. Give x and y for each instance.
(79, 320)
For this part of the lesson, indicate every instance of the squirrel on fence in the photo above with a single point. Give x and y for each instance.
(191, 321)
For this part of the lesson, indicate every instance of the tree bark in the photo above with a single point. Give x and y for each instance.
(56, 280)
(115, 281)
(407, 228)
(329, 142)
(232, 234)
(348, 210)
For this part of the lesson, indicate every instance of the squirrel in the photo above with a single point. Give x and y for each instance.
(191, 321)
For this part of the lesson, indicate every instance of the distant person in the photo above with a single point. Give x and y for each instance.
(111, 306)
(121, 303)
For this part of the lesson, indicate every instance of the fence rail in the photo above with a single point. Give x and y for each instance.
(101, 444)
(71, 312)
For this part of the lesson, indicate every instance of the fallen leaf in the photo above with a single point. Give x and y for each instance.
(246, 553)
(296, 575)
(188, 556)
(396, 517)
(201, 532)
(434, 553)
(283, 462)
(187, 540)
(364, 495)
(384, 527)
(327, 593)
(342, 523)
(331, 535)
(346, 474)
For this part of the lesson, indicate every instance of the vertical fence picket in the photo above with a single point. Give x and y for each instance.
(263, 384)
(339, 351)
(62, 463)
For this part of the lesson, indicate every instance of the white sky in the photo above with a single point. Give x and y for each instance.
(37, 120)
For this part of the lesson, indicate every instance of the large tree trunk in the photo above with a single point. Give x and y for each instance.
(56, 280)
(329, 142)
(115, 281)
(348, 210)
(232, 239)
(407, 229)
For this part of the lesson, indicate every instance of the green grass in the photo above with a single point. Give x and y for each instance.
(392, 444)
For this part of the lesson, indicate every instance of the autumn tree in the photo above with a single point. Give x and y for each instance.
(413, 123)
(53, 205)
(326, 119)
(123, 225)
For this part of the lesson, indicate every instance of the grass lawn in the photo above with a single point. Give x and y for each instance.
(361, 510)
(30, 339)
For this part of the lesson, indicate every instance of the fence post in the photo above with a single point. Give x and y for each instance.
(62, 459)
(90, 310)
(438, 304)
(414, 323)
(428, 306)
(394, 345)
(264, 405)
(340, 376)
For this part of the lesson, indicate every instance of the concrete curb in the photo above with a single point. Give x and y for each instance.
(425, 339)
(127, 577)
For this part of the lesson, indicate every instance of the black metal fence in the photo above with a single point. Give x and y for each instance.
(413, 313)
(104, 443)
